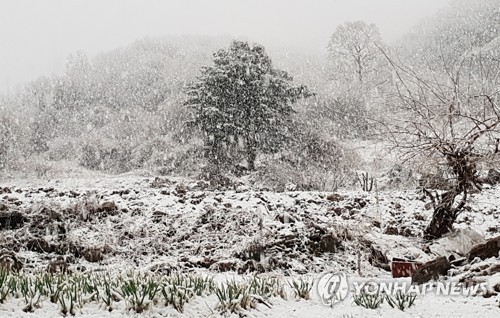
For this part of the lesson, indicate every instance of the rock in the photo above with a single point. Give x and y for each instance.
(378, 259)
(5, 190)
(50, 214)
(242, 188)
(107, 207)
(203, 262)
(163, 268)
(472, 281)
(489, 293)
(121, 192)
(73, 194)
(200, 185)
(360, 203)
(58, 265)
(496, 287)
(335, 197)
(224, 266)
(289, 186)
(458, 243)
(47, 221)
(9, 261)
(160, 183)
(479, 267)
(490, 248)
(285, 218)
(391, 230)
(493, 176)
(491, 270)
(181, 190)
(337, 210)
(458, 262)
(11, 220)
(253, 251)
(219, 181)
(493, 229)
(251, 266)
(69, 247)
(482, 269)
(39, 245)
(93, 255)
(431, 270)
(419, 217)
(329, 243)
(275, 263)
(158, 216)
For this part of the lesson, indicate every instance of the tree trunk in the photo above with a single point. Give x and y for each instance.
(251, 156)
(359, 69)
(214, 154)
(441, 223)
(445, 214)
(251, 149)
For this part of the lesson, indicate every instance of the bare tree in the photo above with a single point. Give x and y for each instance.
(353, 48)
(450, 115)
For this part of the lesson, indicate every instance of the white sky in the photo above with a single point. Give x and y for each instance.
(37, 35)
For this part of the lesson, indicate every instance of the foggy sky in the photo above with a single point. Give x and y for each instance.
(36, 36)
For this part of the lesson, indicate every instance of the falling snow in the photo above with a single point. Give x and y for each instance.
(186, 153)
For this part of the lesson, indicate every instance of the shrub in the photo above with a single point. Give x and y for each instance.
(13, 140)
(105, 155)
(344, 116)
(311, 164)
(62, 148)
(186, 159)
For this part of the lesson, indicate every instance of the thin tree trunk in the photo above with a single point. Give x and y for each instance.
(251, 149)
(445, 214)
(251, 156)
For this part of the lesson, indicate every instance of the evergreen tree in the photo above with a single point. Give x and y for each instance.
(242, 104)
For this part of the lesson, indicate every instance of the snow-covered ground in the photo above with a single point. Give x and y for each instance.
(171, 224)
(428, 306)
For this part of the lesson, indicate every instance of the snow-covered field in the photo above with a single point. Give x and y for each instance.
(203, 307)
(144, 223)
(113, 117)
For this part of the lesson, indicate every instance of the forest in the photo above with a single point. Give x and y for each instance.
(342, 159)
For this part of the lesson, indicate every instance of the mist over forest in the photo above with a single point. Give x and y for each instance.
(260, 174)
(125, 109)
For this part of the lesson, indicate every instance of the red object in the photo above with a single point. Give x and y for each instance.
(403, 268)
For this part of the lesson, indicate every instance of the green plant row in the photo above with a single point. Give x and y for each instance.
(141, 291)
(400, 300)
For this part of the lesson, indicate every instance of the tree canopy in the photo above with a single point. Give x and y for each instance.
(353, 50)
(242, 104)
